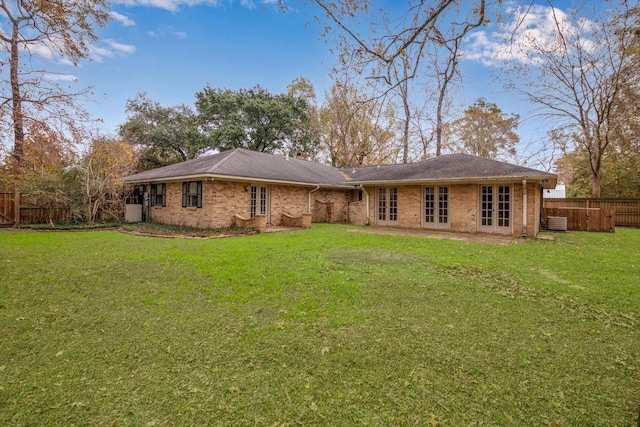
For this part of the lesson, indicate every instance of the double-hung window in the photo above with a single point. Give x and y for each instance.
(192, 194)
(158, 194)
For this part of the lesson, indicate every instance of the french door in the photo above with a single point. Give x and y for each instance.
(436, 207)
(387, 206)
(496, 209)
(259, 201)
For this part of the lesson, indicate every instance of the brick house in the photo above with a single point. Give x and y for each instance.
(456, 192)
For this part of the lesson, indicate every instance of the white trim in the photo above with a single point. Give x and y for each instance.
(211, 177)
(436, 225)
(495, 201)
(453, 181)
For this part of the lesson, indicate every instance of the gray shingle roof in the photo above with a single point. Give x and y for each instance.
(443, 168)
(246, 164)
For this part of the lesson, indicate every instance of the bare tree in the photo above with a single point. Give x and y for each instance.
(395, 49)
(577, 75)
(43, 29)
(355, 133)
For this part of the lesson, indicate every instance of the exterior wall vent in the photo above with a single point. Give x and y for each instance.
(557, 223)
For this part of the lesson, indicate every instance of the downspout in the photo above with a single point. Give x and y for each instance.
(368, 214)
(542, 223)
(309, 198)
(146, 201)
(524, 207)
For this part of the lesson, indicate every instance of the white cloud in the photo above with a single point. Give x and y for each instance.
(175, 5)
(120, 47)
(249, 4)
(60, 77)
(108, 48)
(41, 50)
(170, 5)
(123, 19)
(165, 30)
(513, 40)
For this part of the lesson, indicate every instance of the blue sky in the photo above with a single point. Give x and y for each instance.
(171, 49)
(172, 52)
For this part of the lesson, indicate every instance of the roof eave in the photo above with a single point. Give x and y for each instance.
(218, 177)
(547, 181)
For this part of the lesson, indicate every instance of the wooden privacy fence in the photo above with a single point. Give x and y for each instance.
(627, 212)
(583, 219)
(7, 208)
(11, 213)
(35, 215)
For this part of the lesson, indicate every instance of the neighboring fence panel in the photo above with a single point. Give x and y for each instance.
(32, 215)
(582, 219)
(627, 212)
(7, 208)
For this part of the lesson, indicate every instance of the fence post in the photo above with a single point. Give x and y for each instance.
(16, 208)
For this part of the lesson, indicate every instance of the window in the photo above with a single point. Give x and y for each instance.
(158, 194)
(192, 194)
(436, 206)
(258, 200)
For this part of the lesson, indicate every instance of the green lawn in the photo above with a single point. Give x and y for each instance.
(318, 327)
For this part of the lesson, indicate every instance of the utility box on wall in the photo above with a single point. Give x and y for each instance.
(133, 213)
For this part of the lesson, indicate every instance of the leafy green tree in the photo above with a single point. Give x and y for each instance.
(252, 118)
(48, 177)
(165, 134)
(620, 173)
(484, 130)
(64, 29)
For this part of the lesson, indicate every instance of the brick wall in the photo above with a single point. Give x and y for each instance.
(358, 213)
(221, 200)
(463, 208)
(288, 199)
(174, 213)
(330, 205)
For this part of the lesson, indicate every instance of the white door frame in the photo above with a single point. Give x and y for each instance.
(495, 208)
(387, 206)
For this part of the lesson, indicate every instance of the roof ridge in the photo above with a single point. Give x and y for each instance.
(228, 155)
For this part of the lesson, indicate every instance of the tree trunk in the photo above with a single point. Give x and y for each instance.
(595, 185)
(407, 117)
(441, 95)
(18, 121)
(405, 137)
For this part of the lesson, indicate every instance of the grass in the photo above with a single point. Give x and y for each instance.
(318, 327)
(155, 229)
(144, 228)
